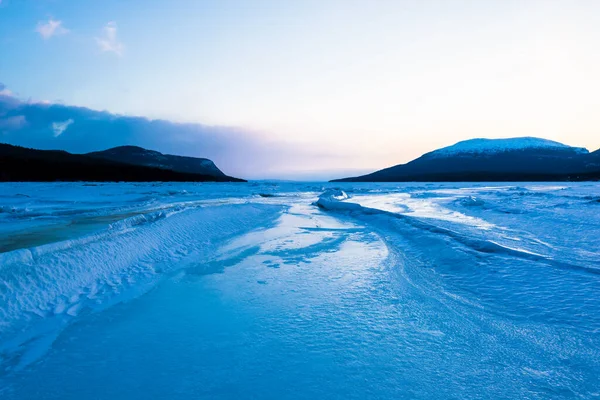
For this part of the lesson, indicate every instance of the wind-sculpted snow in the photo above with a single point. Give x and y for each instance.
(59, 280)
(489, 243)
(282, 290)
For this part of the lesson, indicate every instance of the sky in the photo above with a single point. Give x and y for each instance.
(315, 88)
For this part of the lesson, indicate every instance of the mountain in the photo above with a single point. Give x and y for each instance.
(515, 159)
(23, 164)
(149, 158)
(80, 130)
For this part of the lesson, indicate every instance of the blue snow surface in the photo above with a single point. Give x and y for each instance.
(299, 291)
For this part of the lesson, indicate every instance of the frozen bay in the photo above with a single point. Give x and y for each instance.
(296, 290)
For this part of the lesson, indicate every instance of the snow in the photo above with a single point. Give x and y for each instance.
(501, 145)
(274, 290)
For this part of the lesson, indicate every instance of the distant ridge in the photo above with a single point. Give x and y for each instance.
(30, 165)
(149, 158)
(481, 145)
(514, 159)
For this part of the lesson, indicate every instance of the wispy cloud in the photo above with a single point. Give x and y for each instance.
(3, 90)
(51, 28)
(43, 102)
(12, 123)
(109, 41)
(61, 126)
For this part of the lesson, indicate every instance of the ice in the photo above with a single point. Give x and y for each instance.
(297, 290)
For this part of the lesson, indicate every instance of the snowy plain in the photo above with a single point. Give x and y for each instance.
(298, 290)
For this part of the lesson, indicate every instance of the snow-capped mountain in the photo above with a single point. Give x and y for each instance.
(481, 145)
(149, 158)
(515, 159)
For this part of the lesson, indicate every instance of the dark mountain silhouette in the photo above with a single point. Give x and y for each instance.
(149, 158)
(80, 130)
(518, 159)
(23, 164)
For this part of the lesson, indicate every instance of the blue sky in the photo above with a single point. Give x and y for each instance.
(349, 84)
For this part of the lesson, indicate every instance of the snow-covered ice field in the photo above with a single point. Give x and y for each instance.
(299, 290)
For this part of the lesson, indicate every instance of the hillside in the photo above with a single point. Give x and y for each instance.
(517, 159)
(149, 158)
(23, 164)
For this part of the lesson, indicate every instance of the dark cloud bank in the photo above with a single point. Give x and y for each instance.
(80, 130)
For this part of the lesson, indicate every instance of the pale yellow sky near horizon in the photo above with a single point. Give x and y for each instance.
(387, 83)
(363, 84)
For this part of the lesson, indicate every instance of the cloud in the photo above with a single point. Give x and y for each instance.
(4, 91)
(51, 28)
(12, 123)
(236, 151)
(61, 126)
(34, 101)
(109, 41)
